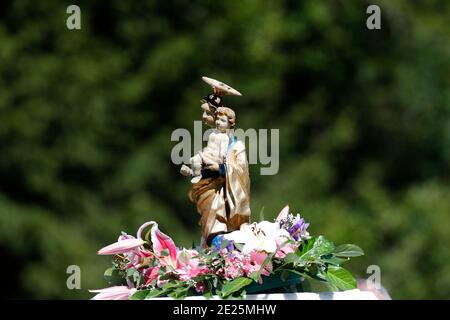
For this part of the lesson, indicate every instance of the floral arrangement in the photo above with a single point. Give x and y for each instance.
(277, 256)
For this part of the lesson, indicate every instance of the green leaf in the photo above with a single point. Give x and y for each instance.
(140, 294)
(313, 249)
(153, 293)
(238, 246)
(114, 277)
(348, 250)
(304, 286)
(208, 290)
(208, 295)
(223, 244)
(164, 291)
(162, 271)
(284, 275)
(300, 273)
(290, 258)
(306, 246)
(304, 251)
(317, 276)
(341, 278)
(172, 285)
(311, 275)
(179, 293)
(235, 285)
(331, 287)
(331, 259)
(322, 246)
(131, 272)
(138, 279)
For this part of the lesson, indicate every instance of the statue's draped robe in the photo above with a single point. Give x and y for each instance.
(224, 201)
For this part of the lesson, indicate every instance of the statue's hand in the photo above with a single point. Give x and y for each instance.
(185, 170)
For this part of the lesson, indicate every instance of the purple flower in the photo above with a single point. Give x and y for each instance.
(298, 229)
(217, 241)
(295, 225)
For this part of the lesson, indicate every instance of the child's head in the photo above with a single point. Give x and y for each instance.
(225, 118)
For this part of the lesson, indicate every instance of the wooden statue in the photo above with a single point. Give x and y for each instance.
(220, 177)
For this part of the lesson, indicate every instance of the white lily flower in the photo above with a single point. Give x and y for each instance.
(258, 236)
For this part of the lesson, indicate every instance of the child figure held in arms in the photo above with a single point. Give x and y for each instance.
(213, 156)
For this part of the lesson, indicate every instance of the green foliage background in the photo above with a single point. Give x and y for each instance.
(86, 118)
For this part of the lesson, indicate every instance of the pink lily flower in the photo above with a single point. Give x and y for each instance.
(284, 248)
(257, 259)
(188, 266)
(151, 274)
(121, 246)
(163, 245)
(137, 257)
(113, 293)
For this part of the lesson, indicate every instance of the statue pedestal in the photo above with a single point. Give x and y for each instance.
(355, 294)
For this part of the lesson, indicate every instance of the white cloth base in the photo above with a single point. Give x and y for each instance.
(354, 294)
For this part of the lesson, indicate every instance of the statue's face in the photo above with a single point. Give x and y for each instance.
(208, 115)
(222, 122)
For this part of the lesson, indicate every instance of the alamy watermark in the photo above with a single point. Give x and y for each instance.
(373, 282)
(73, 21)
(374, 20)
(74, 279)
(256, 142)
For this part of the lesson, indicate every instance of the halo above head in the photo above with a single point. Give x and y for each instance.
(221, 88)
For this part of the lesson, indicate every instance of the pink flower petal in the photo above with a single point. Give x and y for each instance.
(113, 293)
(283, 213)
(121, 246)
(160, 242)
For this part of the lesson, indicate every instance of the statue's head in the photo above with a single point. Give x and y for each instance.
(225, 118)
(209, 115)
(210, 103)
